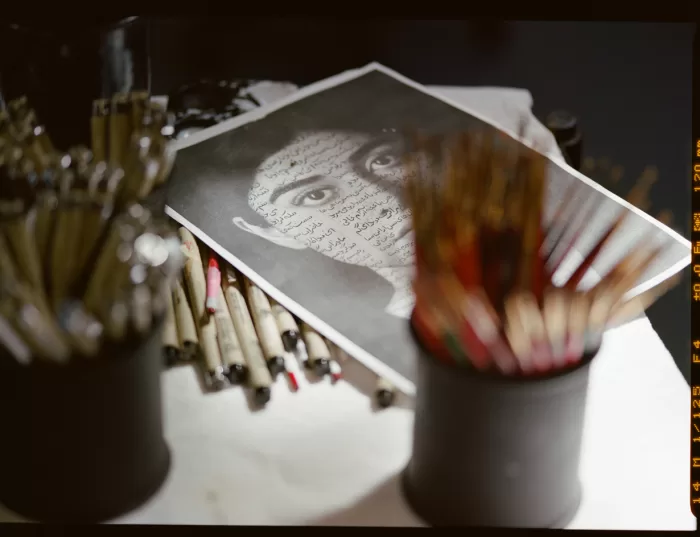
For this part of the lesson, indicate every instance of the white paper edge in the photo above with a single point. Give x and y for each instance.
(380, 368)
(344, 343)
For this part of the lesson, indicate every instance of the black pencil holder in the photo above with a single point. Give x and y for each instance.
(83, 442)
(495, 451)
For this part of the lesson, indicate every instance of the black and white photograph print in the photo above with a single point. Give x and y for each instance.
(307, 199)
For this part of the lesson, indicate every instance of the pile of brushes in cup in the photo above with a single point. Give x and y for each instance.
(83, 262)
(486, 256)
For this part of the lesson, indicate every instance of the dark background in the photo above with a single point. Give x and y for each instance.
(629, 83)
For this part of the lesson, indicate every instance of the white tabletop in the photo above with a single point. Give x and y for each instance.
(325, 456)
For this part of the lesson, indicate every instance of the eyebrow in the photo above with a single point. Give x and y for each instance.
(357, 159)
(370, 145)
(277, 192)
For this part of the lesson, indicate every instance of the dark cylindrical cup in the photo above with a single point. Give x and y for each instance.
(495, 451)
(83, 442)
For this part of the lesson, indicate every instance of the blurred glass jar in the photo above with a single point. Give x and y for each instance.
(62, 66)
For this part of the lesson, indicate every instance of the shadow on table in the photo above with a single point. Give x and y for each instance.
(382, 506)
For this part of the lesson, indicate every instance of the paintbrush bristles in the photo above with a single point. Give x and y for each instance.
(484, 297)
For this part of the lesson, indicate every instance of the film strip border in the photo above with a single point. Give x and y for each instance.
(695, 305)
(695, 337)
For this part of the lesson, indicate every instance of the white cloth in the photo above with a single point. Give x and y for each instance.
(324, 456)
(505, 107)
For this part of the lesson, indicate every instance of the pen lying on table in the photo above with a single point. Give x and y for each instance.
(251, 337)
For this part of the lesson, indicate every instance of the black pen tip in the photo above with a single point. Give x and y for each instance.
(275, 365)
(237, 373)
(191, 350)
(322, 367)
(172, 356)
(385, 398)
(261, 396)
(290, 339)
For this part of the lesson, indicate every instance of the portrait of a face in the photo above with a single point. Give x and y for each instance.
(338, 193)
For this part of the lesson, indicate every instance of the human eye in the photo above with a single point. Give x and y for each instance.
(382, 158)
(316, 196)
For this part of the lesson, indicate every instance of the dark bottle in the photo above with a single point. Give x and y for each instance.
(564, 126)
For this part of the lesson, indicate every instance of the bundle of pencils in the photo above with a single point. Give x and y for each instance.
(486, 256)
(235, 332)
(131, 132)
(82, 263)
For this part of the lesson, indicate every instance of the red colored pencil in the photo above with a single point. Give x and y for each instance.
(213, 284)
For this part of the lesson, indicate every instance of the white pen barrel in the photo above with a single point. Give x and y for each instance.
(206, 327)
(171, 338)
(231, 351)
(258, 374)
(285, 321)
(315, 345)
(266, 327)
(319, 354)
(186, 330)
(287, 326)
